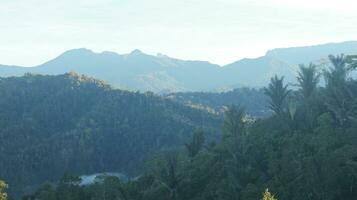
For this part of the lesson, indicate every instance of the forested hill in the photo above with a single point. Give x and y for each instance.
(306, 150)
(49, 124)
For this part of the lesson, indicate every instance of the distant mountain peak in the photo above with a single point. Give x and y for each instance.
(136, 52)
(140, 71)
(79, 51)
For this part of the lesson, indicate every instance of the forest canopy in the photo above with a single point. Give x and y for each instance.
(50, 124)
(306, 150)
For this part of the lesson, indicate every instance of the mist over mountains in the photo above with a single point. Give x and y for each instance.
(161, 73)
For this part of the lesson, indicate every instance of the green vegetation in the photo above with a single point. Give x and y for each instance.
(3, 186)
(268, 196)
(50, 124)
(277, 92)
(253, 100)
(306, 150)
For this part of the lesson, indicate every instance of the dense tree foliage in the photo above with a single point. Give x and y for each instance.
(50, 124)
(277, 92)
(306, 150)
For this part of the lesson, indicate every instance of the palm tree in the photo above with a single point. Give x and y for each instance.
(233, 125)
(234, 134)
(277, 93)
(167, 173)
(352, 61)
(339, 97)
(308, 78)
(337, 75)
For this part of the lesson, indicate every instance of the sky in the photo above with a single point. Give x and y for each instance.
(219, 31)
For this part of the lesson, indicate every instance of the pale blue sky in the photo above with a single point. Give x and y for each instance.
(220, 31)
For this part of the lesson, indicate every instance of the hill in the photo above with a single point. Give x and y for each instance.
(50, 124)
(253, 100)
(306, 149)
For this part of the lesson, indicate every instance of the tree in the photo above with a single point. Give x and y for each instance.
(352, 61)
(167, 173)
(308, 78)
(336, 76)
(268, 196)
(68, 187)
(233, 149)
(196, 144)
(3, 186)
(277, 93)
(108, 188)
(340, 99)
(233, 125)
(46, 192)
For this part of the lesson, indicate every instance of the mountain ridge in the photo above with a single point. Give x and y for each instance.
(161, 73)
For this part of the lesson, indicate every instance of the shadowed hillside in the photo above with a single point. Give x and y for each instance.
(69, 122)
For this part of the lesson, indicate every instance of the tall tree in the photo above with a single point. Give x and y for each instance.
(308, 78)
(337, 75)
(277, 93)
(234, 149)
(168, 175)
(339, 97)
(196, 144)
(233, 125)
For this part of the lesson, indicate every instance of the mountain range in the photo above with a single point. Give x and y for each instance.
(161, 73)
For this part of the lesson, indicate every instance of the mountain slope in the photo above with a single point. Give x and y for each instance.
(254, 101)
(52, 123)
(257, 72)
(139, 71)
(283, 62)
(297, 55)
(134, 71)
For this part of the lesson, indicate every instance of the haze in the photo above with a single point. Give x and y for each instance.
(221, 31)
